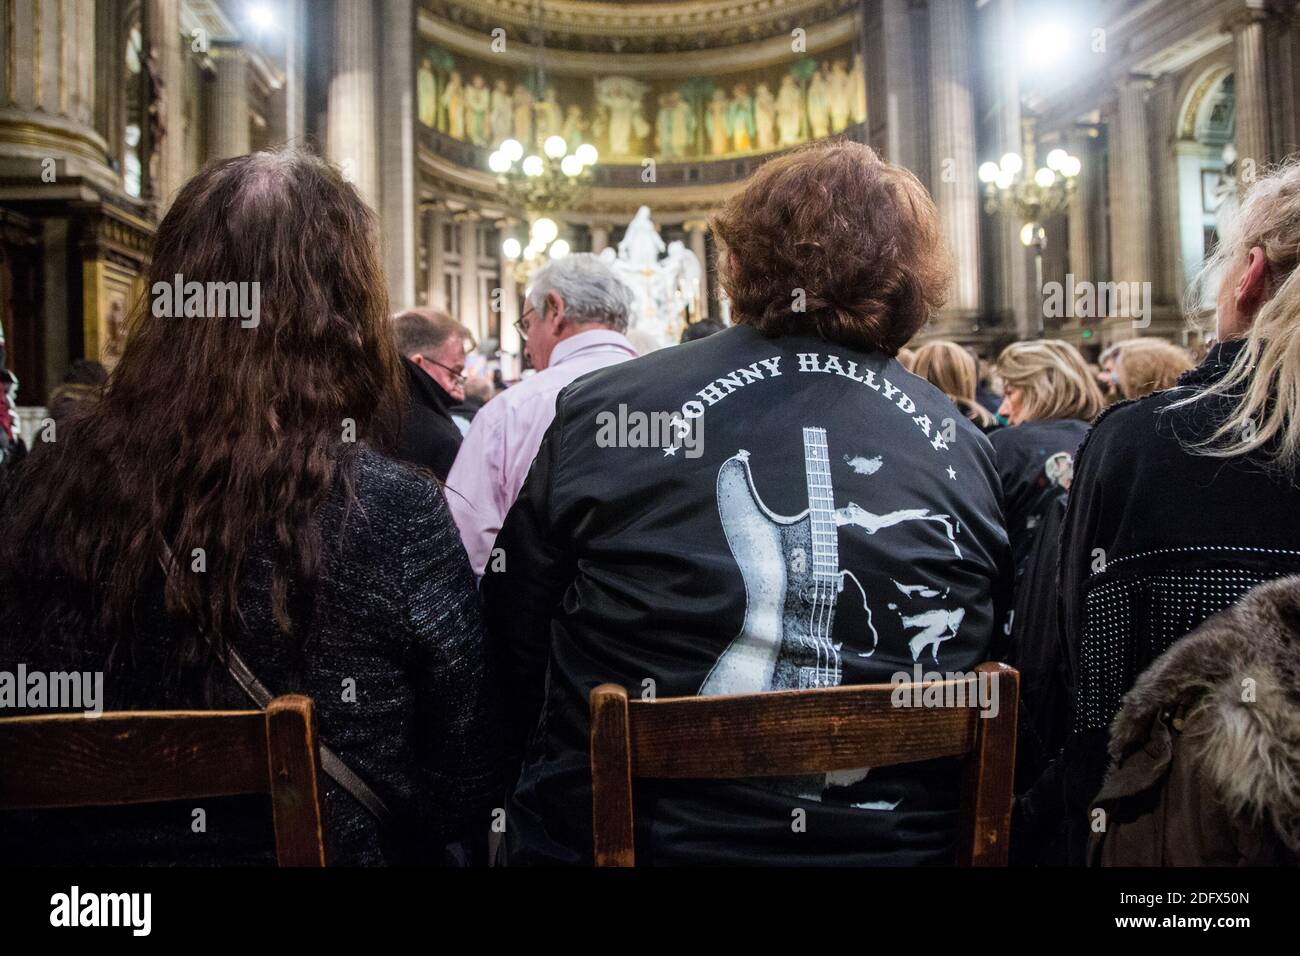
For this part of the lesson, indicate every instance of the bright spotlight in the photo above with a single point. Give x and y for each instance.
(571, 166)
(1004, 180)
(511, 248)
(1073, 166)
(512, 150)
(1047, 44)
(1012, 163)
(533, 166)
(559, 249)
(587, 154)
(989, 172)
(1056, 160)
(499, 162)
(261, 16)
(1029, 233)
(1045, 177)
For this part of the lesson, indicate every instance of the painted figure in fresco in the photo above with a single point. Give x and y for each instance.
(523, 114)
(478, 101)
(719, 135)
(858, 84)
(765, 117)
(550, 118)
(453, 104)
(841, 95)
(819, 105)
(502, 117)
(426, 91)
(575, 128)
(664, 128)
(621, 96)
(789, 111)
(683, 124)
(741, 115)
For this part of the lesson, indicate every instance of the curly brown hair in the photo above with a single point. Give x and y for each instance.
(833, 239)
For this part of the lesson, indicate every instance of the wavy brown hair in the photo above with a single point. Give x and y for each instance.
(215, 436)
(832, 240)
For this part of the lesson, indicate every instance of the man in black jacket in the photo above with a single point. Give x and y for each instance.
(777, 506)
(432, 344)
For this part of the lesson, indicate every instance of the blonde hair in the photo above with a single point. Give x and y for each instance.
(1263, 383)
(907, 359)
(951, 369)
(1054, 379)
(1144, 366)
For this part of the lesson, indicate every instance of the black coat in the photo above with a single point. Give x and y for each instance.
(430, 437)
(1035, 462)
(1155, 540)
(820, 485)
(396, 613)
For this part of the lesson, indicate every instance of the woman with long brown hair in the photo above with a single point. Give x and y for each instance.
(226, 502)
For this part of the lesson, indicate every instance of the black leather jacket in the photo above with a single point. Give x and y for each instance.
(826, 518)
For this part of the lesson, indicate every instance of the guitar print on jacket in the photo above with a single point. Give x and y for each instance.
(790, 568)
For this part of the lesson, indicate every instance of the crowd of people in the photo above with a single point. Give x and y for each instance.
(448, 568)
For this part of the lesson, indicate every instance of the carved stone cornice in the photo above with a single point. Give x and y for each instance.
(634, 27)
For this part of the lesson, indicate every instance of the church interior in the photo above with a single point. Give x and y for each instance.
(1065, 143)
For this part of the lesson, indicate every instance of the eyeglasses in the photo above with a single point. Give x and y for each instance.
(459, 378)
(522, 323)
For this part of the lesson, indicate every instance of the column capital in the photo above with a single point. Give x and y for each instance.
(696, 225)
(1249, 13)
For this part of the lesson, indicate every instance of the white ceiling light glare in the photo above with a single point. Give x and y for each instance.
(533, 166)
(261, 16)
(555, 147)
(512, 150)
(1047, 44)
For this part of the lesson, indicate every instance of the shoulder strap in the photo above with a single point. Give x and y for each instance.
(335, 768)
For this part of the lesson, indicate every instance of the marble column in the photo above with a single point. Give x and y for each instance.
(437, 286)
(1017, 294)
(287, 109)
(599, 238)
(469, 304)
(954, 179)
(228, 118)
(1132, 258)
(1083, 205)
(397, 150)
(698, 230)
(47, 91)
(1250, 87)
(162, 27)
(894, 107)
(509, 295)
(1164, 163)
(350, 137)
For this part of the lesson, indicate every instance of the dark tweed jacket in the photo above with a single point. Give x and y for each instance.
(397, 613)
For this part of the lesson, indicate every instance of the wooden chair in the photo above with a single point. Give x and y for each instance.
(786, 733)
(70, 760)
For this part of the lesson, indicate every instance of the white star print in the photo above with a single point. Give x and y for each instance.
(952, 474)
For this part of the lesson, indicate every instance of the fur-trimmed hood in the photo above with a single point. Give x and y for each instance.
(1237, 680)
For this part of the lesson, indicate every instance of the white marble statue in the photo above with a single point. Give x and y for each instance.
(664, 290)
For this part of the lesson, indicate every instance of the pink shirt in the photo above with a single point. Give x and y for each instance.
(503, 440)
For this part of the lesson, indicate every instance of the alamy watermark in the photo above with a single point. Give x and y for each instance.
(671, 431)
(179, 299)
(1098, 300)
(932, 689)
(53, 690)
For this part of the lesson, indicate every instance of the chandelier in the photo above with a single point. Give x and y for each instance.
(545, 182)
(1010, 189)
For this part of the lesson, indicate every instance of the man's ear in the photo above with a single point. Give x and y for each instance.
(555, 306)
(1252, 287)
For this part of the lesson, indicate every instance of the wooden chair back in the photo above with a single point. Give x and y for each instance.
(788, 733)
(71, 760)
